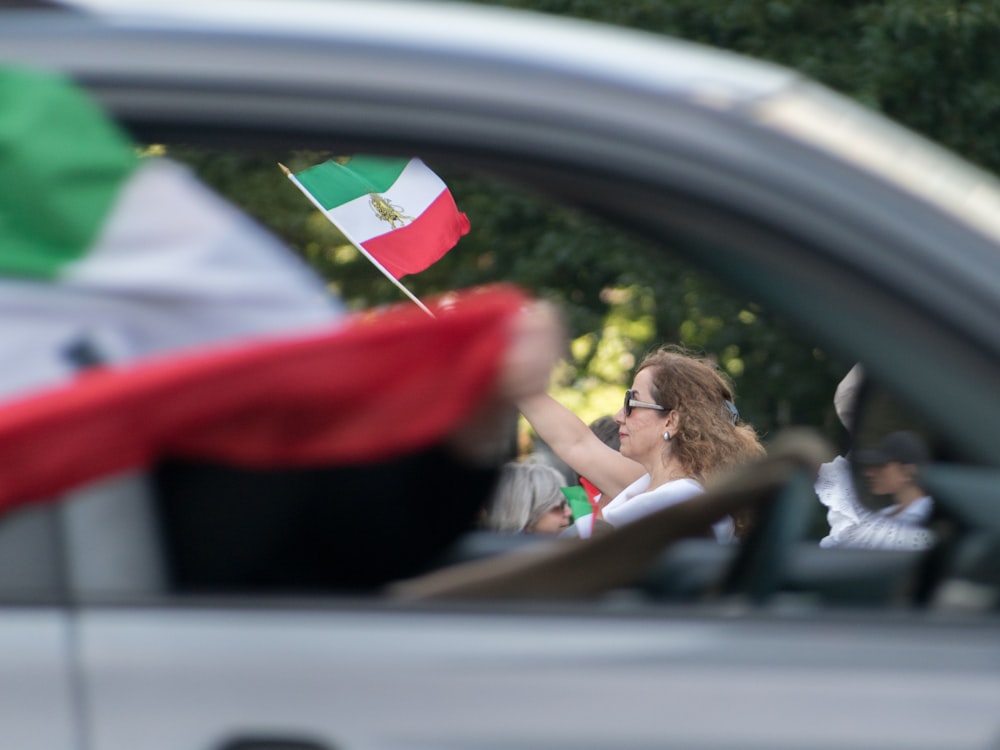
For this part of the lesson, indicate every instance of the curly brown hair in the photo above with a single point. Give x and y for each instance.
(711, 439)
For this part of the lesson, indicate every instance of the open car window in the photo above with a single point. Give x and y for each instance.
(668, 196)
(622, 292)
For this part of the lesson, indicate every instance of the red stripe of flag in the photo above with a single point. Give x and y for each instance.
(414, 247)
(379, 387)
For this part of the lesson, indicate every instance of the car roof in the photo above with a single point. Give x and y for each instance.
(624, 56)
(767, 95)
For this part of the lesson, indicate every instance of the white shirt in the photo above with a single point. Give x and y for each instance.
(853, 525)
(637, 501)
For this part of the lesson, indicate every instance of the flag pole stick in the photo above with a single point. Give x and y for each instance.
(379, 266)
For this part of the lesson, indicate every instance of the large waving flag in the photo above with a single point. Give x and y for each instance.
(111, 265)
(107, 258)
(323, 399)
(398, 210)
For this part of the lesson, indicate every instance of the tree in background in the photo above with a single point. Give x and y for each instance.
(929, 64)
(926, 63)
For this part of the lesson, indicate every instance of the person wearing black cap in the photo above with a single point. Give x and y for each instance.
(891, 469)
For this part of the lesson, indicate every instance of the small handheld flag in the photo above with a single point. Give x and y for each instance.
(397, 212)
(579, 504)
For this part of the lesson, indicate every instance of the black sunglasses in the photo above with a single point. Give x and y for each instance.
(633, 403)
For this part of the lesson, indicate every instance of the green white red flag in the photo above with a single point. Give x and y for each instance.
(146, 318)
(397, 210)
(322, 398)
(109, 258)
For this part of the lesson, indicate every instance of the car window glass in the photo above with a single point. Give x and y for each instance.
(621, 294)
(30, 556)
(964, 504)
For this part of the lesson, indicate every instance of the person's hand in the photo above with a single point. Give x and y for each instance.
(538, 341)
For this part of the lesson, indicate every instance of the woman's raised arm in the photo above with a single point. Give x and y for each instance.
(573, 441)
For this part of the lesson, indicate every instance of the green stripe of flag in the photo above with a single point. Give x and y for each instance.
(62, 164)
(334, 184)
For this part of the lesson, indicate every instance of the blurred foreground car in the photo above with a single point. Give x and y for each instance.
(880, 247)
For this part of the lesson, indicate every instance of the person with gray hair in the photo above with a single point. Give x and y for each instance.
(528, 499)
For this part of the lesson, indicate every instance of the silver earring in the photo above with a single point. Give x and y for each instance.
(666, 436)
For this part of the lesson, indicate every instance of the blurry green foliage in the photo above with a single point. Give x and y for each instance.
(930, 64)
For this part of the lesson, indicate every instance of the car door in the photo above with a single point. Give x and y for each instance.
(39, 696)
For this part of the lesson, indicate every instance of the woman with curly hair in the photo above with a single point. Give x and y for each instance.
(679, 428)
